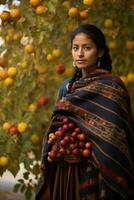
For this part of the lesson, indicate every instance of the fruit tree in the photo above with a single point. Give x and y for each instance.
(35, 58)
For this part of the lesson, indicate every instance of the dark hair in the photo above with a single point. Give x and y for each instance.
(98, 38)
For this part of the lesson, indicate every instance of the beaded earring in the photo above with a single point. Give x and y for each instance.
(99, 61)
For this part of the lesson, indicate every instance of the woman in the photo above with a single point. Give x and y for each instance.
(87, 152)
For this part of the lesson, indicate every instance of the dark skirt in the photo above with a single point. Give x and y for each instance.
(74, 181)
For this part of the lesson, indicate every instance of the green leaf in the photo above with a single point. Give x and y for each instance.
(28, 193)
(16, 187)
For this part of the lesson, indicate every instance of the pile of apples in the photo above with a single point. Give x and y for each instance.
(68, 140)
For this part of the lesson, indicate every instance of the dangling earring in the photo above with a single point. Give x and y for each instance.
(99, 60)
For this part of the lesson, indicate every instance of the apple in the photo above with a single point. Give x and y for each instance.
(67, 138)
(72, 140)
(62, 151)
(86, 152)
(63, 142)
(13, 130)
(50, 141)
(55, 147)
(49, 159)
(59, 133)
(71, 125)
(77, 130)
(52, 153)
(42, 101)
(74, 134)
(65, 127)
(81, 137)
(88, 145)
(76, 151)
(60, 68)
(60, 129)
(65, 120)
(81, 144)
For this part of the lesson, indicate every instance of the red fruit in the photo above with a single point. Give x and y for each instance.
(59, 133)
(65, 127)
(65, 120)
(81, 137)
(74, 134)
(88, 145)
(62, 151)
(81, 144)
(60, 129)
(71, 125)
(86, 152)
(63, 142)
(55, 147)
(67, 138)
(13, 130)
(72, 140)
(42, 101)
(50, 141)
(52, 153)
(71, 146)
(60, 68)
(76, 151)
(77, 130)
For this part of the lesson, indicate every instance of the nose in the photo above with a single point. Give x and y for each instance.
(80, 52)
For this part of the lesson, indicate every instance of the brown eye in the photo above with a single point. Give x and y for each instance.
(75, 48)
(87, 48)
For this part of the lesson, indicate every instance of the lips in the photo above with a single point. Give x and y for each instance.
(80, 61)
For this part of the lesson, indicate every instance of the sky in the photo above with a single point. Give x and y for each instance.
(5, 7)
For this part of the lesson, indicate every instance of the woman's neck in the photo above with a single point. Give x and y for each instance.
(86, 72)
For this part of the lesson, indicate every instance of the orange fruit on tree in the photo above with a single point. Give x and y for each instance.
(35, 3)
(22, 126)
(130, 44)
(16, 36)
(112, 44)
(69, 27)
(15, 13)
(42, 69)
(6, 125)
(29, 48)
(35, 138)
(5, 15)
(12, 71)
(40, 10)
(88, 2)
(50, 57)
(3, 62)
(84, 14)
(108, 23)
(4, 160)
(130, 77)
(8, 81)
(32, 107)
(24, 64)
(56, 53)
(73, 12)
(66, 4)
(3, 74)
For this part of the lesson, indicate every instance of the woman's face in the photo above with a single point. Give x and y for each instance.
(84, 51)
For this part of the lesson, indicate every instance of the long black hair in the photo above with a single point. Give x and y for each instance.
(98, 38)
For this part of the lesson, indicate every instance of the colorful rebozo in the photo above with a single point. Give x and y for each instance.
(88, 150)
